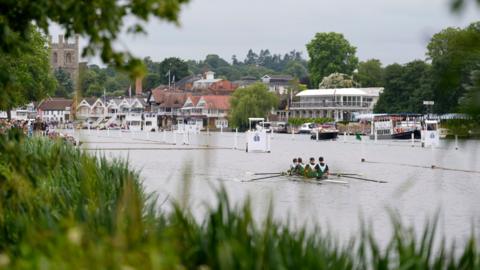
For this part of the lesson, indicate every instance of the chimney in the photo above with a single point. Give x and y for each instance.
(138, 86)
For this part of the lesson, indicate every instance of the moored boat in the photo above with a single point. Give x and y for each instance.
(324, 132)
(396, 127)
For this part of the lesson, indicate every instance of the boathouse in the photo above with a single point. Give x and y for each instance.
(340, 104)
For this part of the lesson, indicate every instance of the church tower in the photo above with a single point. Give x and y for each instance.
(65, 55)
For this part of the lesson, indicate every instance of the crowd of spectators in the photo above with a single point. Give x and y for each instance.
(35, 127)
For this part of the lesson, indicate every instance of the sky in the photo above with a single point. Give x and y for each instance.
(389, 30)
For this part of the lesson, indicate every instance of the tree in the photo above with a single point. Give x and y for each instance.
(369, 73)
(26, 76)
(330, 53)
(251, 59)
(337, 80)
(151, 81)
(64, 83)
(177, 68)
(470, 102)
(252, 101)
(214, 61)
(406, 87)
(100, 21)
(454, 53)
(296, 69)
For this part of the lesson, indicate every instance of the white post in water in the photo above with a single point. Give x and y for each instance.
(456, 142)
(174, 137)
(344, 136)
(164, 136)
(221, 129)
(235, 142)
(208, 131)
(316, 133)
(293, 134)
(376, 136)
(413, 140)
(108, 132)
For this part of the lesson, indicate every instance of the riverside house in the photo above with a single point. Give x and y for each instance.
(206, 111)
(341, 104)
(55, 110)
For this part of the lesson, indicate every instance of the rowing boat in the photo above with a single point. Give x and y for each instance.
(300, 178)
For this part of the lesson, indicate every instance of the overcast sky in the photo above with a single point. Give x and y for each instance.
(389, 30)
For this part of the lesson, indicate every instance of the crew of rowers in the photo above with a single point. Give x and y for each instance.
(310, 170)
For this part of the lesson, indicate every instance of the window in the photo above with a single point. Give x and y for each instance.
(68, 58)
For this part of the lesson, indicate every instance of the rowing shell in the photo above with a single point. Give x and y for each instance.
(315, 181)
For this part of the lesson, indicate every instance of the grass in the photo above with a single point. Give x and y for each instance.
(61, 208)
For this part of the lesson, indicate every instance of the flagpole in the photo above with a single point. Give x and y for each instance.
(169, 79)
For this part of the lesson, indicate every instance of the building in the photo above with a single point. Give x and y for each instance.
(341, 104)
(55, 110)
(167, 105)
(186, 83)
(205, 82)
(245, 81)
(278, 83)
(26, 112)
(209, 110)
(65, 55)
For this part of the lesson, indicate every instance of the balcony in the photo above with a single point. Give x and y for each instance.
(330, 105)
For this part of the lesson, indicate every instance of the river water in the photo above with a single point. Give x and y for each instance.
(415, 191)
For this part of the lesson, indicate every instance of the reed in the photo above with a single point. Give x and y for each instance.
(61, 208)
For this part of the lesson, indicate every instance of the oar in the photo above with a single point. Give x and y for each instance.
(267, 173)
(340, 173)
(364, 179)
(265, 177)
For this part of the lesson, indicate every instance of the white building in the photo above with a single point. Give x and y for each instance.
(54, 110)
(278, 83)
(206, 82)
(341, 104)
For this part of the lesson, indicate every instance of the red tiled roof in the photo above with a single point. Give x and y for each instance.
(57, 104)
(217, 102)
(194, 99)
(169, 99)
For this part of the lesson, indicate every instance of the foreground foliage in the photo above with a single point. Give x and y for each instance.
(63, 209)
(100, 21)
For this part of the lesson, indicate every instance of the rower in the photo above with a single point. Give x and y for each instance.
(293, 167)
(310, 170)
(322, 168)
(300, 166)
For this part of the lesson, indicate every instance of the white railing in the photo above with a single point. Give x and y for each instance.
(330, 104)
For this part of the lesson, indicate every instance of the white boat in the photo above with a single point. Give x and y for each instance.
(298, 178)
(306, 128)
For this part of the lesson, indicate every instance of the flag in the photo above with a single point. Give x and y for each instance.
(173, 79)
(167, 74)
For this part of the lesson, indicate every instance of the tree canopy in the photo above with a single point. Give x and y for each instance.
(337, 80)
(470, 102)
(64, 83)
(406, 87)
(330, 53)
(26, 76)
(454, 53)
(369, 73)
(252, 101)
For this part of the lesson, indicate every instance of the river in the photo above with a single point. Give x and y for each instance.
(415, 191)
